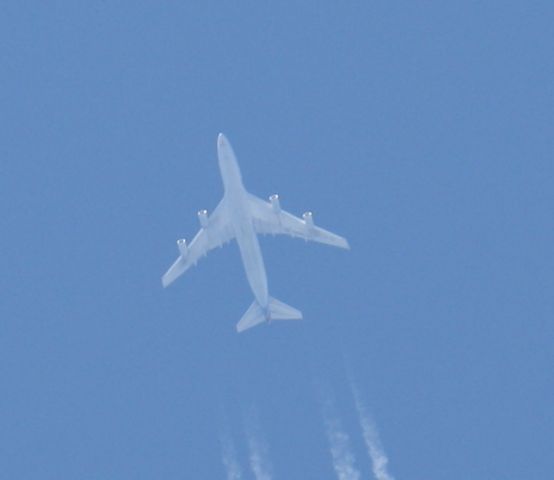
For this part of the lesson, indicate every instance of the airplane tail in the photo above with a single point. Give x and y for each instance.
(276, 310)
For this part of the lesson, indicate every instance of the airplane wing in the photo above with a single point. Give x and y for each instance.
(216, 231)
(269, 218)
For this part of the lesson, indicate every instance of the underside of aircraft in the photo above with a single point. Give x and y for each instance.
(242, 216)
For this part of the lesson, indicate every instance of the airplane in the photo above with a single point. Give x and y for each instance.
(242, 216)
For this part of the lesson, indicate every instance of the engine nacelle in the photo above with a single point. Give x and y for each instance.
(308, 219)
(275, 205)
(182, 246)
(203, 217)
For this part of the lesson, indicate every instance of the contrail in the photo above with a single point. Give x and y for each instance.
(375, 450)
(258, 450)
(341, 453)
(229, 458)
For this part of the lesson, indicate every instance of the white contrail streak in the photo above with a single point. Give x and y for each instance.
(229, 458)
(339, 442)
(375, 450)
(258, 450)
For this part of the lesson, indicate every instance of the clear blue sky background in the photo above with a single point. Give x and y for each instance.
(422, 131)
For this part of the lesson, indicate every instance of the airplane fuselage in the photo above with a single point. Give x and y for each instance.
(241, 219)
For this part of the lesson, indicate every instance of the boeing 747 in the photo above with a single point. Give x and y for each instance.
(242, 216)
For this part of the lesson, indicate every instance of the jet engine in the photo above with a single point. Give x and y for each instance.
(182, 246)
(275, 205)
(203, 217)
(308, 219)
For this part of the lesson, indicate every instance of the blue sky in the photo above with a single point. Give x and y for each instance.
(421, 131)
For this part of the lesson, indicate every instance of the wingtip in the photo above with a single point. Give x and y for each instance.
(345, 244)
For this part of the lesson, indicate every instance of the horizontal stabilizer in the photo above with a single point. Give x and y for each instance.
(281, 311)
(253, 316)
(276, 310)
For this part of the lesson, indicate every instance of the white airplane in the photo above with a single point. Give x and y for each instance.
(242, 215)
